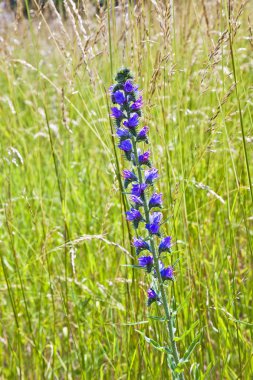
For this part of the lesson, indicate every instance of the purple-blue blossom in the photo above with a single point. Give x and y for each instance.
(125, 145)
(127, 174)
(152, 296)
(151, 175)
(118, 97)
(132, 122)
(128, 177)
(144, 158)
(140, 245)
(138, 189)
(151, 293)
(122, 133)
(154, 225)
(165, 244)
(155, 200)
(116, 113)
(128, 86)
(137, 200)
(146, 262)
(137, 104)
(142, 135)
(167, 273)
(134, 216)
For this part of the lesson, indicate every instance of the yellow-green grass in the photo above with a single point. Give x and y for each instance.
(71, 311)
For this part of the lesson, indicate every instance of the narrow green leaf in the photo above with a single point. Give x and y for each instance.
(155, 318)
(151, 341)
(170, 359)
(134, 323)
(191, 347)
(178, 338)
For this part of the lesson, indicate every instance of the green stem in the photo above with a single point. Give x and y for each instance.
(156, 262)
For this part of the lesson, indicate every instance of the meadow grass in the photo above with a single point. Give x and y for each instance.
(69, 306)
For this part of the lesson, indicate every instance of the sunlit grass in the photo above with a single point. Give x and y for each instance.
(69, 311)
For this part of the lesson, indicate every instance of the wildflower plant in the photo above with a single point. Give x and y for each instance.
(144, 214)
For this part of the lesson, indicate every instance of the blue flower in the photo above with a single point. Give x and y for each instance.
(155, 200)
(132, 122)
(138, 202)
(137, 104)
(138, 189)
(165, 244)
(167, 273)
(146, 262)
(154, 225)
(142, 135)
(128, 177)
(125, 145)
(151, 293)
(118, 97)
(144, 158)
(122, 133)
(151, 175)
(152, 296)
(128, 86)
(134, 216)
(116, 113)
(140, 245)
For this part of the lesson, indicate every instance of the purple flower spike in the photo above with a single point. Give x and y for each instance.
(151, 175)
(142, 135)
(152, 296)
(122, 133)
(146, 262)
(167, 273)
(127, 118)
(118, 97)
(165, 245)
(134, 216)
(138, 189)
(128, 86)
(126, 146)
(154, 225)
(138, 202)
(132, 122)
(140, 245)
(155, 200)
(116, 113)
(144, 158)
(137, 104)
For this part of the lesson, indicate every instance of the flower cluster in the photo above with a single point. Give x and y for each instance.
(139, 181)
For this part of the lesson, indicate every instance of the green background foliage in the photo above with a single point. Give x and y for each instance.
(69, 307)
